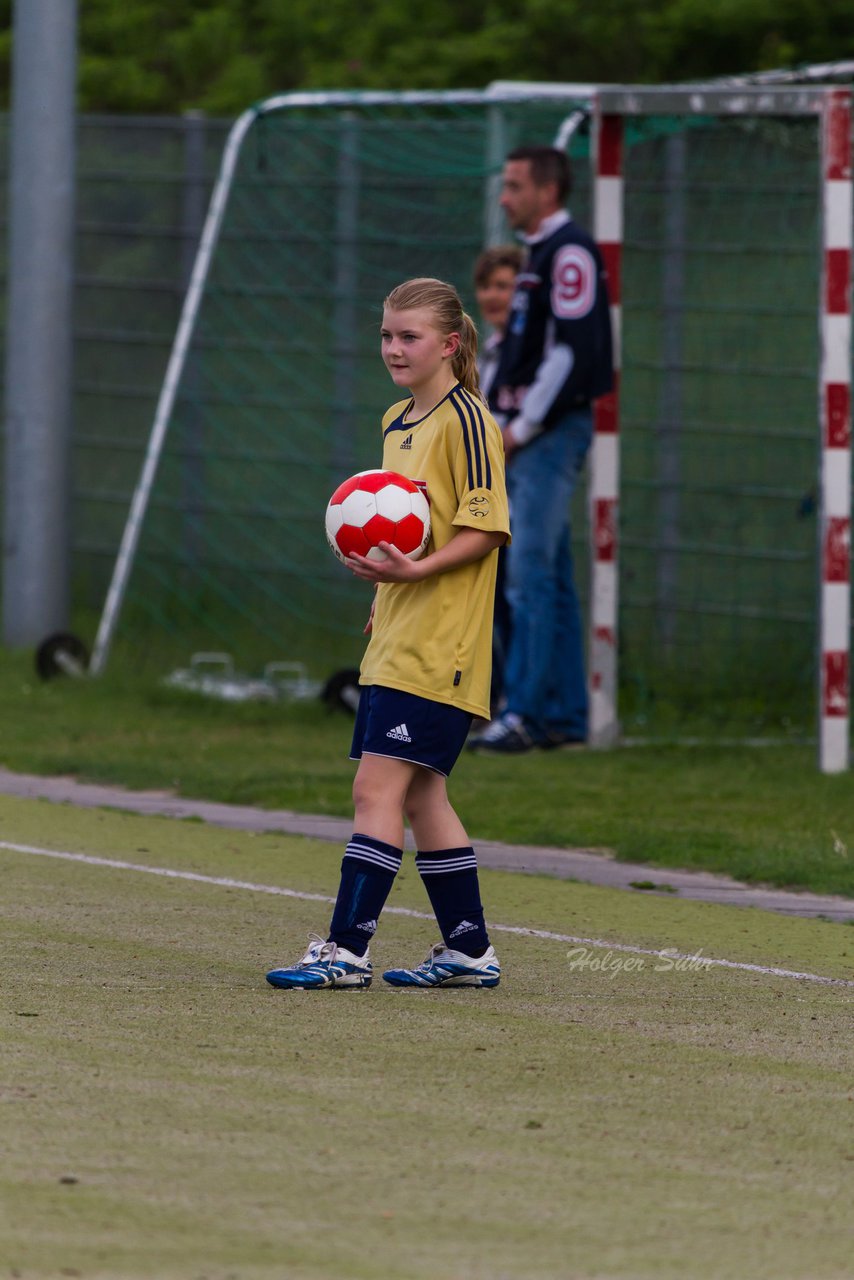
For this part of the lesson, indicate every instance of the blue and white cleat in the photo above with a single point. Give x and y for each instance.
(325, 964)
(446, 968)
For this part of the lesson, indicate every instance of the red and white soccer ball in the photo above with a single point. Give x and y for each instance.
(378, 506)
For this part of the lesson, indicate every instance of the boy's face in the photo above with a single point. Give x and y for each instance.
(413, 349)
(494, 296)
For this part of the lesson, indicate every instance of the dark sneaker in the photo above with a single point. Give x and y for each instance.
(324, 965)
(505, 736)
(446, 968)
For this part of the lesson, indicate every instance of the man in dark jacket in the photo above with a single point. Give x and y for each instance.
(556, 359)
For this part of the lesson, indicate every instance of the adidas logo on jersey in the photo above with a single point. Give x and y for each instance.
(401, 733)
(407, 443)
(465, 926)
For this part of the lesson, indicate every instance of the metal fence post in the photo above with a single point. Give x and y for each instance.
(194, 203)
(36, 536)
(346, 284)
(671, 407)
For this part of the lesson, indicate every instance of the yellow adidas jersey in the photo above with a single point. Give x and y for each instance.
(434, 638)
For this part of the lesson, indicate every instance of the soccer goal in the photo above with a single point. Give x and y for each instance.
(713, 541)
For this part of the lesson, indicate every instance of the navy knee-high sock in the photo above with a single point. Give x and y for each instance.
(367, 874)
(450, 878)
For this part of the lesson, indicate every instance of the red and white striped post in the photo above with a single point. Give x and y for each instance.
(835, 418)
(605, 452)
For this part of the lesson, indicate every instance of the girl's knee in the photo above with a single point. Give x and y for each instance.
(366, 790)
(426, 794)
(381, 782)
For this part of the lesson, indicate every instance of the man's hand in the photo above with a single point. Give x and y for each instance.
(519, 432)
(510, 445)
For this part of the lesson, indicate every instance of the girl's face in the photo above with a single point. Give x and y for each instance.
(413, 349)
(494, 296)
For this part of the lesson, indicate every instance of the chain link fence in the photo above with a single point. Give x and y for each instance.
(283, 391)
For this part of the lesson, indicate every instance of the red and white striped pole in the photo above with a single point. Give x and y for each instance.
(605, 452)
(835, 419)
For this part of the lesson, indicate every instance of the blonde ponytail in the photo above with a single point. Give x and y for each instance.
(465, 361)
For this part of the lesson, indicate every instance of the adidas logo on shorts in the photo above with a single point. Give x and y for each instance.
(401, 733)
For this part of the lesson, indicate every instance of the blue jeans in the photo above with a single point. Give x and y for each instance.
(545, 680)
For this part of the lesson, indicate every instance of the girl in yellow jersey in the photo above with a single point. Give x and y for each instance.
(426, 671)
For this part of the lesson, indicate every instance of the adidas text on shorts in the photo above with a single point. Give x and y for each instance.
(405, 726)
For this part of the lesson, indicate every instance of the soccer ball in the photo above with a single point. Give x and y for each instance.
(378, 506)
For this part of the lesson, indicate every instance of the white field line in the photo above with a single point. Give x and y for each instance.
(226, 882)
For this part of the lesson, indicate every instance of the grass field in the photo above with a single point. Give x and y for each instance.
(760, 814)
(166, 1114)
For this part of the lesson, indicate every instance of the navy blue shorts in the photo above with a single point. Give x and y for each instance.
(408, 727)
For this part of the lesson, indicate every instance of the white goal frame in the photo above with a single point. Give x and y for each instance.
(831, 106)
(609, 107)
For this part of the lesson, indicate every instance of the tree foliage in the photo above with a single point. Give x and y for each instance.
(219, 55)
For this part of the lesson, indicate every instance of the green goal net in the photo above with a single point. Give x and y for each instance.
(282, 389)
(718, 574)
